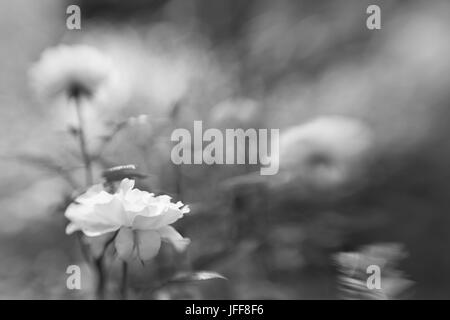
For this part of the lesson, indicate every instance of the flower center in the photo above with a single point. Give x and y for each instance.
(76, 90)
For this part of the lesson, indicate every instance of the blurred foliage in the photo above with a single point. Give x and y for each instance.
(282, 62)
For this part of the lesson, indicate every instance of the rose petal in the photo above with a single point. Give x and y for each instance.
(84, 218)
(91, 199)
(136, 200)
(155, 222)
(124, 243)
(71, 228)
(169, 233)
(112, 212)
(126, 185)
(148, 244)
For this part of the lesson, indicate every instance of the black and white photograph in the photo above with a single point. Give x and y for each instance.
(224, 150)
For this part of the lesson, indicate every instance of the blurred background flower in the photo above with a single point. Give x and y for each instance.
(326, 156)
(353, 268)
(76, 72)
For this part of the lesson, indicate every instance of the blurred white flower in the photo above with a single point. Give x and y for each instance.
(142, 218)
(83, 76)
(352, 267)
(72, 71)
(324, 154)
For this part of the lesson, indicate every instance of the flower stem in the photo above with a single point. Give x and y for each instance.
(101, 280)
(178, 174)
(97, 262)
(83, 145)
(178, 182)
(124, 283)
(83, 247)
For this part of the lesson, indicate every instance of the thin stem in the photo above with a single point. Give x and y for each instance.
(178, 181)
(97, 262)
(175, 117)
(84, 249)
(110, 240)
(83, 146)
(101, 281)
(124, 282)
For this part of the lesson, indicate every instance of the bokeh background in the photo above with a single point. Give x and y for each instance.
(236, 64)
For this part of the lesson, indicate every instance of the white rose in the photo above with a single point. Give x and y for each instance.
(141, 219)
